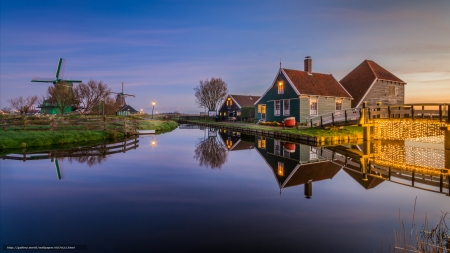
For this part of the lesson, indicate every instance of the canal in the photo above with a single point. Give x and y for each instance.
(203, 190)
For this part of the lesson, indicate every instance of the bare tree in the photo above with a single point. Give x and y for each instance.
(109, 105)
(6, 109)
(89, 95)
(211, 93)
(60, 96)
(211, 152)
(23, 105)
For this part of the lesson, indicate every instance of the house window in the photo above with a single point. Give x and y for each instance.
(280, 87)
(393, 91)
(286, 107)
(259, 108)
(238, 113)
(286, 153)
(280, 170)
(313, 106)
(313, 154)
(338, 104)
(229, 103)
(262, 143)
(277, 108)
(277, 146)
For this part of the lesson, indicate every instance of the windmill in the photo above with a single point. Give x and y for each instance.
(121, 97)
(59, 77)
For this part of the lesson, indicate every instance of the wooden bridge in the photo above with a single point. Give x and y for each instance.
(427, 111)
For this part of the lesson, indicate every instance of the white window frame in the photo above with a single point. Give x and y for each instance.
(313, 154)
(311, 111)
(275, 111)
(280, 87)
(338, 101)
(286, 112)
(276, 147)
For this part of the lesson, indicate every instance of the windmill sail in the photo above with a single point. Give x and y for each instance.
(59, 76)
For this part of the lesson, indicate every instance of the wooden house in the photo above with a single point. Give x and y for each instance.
(372, 83)
(301, 94)
(235, 141)
(231, 108)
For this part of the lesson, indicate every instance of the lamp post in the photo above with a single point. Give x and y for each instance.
(153, 103)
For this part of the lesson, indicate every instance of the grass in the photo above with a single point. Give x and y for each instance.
(353, 132)
(24, 139)
(160, 126)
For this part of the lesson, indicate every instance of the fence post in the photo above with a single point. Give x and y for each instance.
(321, 122)
(389, 112)
(332, 117)
(440, 112)
(345, 112)
(448, 114)
(124, 126)
(104, 123)
(423, 111)
(412, 112)
(311, 123)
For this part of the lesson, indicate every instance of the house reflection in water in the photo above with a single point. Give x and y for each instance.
(295, 164)
(235, 141)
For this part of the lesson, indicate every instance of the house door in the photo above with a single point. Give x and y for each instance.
(263, 112)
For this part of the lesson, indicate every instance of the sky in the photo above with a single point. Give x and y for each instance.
(161, 50)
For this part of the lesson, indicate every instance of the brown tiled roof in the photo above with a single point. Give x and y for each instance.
(359, 80)
(372, 182)
(314, 171)
(316, 83)
(245, 100)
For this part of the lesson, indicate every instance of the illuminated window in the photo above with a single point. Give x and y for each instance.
(229, 143)
(313, 106)
(238, 113)
(259, 108)
(286, 107)
(262, 143)
(280, 87)
(229, 103)
(280, 170)
(338, 104)
(277, 107)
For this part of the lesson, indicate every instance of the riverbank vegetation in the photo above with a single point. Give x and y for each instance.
(350, 132)
(25, 132)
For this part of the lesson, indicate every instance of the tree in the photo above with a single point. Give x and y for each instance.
(89, 95)
(60, 96)
(23, 105)
(211, 153)
(247, 112)
(110, 106)
(211, 93)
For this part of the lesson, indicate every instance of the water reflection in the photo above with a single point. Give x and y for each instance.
(210, 151)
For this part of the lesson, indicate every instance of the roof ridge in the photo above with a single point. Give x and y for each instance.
(371, 69)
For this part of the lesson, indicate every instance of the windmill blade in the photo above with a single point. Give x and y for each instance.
(128, 95)
(61, 68)
(42, 80)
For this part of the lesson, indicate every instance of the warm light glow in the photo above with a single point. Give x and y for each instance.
(153, 142)
(153, 103)
(403, 129)
(280, 83)
(280, 169)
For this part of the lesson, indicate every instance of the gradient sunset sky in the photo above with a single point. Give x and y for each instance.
(161, 49)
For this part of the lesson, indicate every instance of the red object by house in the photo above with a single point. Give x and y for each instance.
(289, 122)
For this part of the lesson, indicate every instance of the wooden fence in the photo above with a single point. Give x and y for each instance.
(30, 123)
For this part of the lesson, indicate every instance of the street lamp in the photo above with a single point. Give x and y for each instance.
(153, 103)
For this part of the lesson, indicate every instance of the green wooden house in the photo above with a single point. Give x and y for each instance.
(301, 94)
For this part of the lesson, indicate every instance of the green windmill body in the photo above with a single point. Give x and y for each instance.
(59, 78)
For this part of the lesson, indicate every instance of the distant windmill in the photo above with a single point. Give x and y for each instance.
(59, 77)
(121, 97)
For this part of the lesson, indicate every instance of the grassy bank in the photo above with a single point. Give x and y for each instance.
(24, 139)
(13, 139)
(323, 135)
(160, 126)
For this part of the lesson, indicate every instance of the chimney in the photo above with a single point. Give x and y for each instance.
(308, 65)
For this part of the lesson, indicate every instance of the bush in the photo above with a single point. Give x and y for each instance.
(271, 123)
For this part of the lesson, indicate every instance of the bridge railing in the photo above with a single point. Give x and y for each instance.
(346, 116)
(439, 112)
(432, 111)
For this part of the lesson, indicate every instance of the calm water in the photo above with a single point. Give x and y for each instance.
(186, 194)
